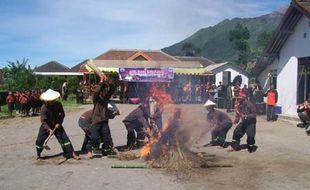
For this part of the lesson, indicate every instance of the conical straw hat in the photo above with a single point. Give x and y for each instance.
(49, 95)
(209, 103)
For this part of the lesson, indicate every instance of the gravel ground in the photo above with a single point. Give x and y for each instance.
(280, 162)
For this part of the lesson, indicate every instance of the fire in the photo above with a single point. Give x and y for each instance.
(146, 150)
(154, 147)
(159, 146)
(160, 94)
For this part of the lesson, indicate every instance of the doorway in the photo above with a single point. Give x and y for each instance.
(303, 80)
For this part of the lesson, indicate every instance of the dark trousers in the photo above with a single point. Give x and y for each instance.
(270, 111)
(304, 118)
(10, 108)
(248, 127)
(86, 126)
(61, 136)
(132, 129)
(219, 134)
(85, 143)
(229, 104)
(100, 132)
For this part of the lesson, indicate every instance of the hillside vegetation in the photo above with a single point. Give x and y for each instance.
(213, 42)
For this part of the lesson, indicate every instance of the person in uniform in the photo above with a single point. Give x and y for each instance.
(136, 123)
(220, 124)
(52, 116)
(85, 124)
(100, 120)
(246, 114)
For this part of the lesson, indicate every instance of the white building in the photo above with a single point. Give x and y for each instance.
(226, 72)
(287, 58)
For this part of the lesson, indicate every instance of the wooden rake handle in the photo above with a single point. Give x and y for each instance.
(49, 136)
(95, 68)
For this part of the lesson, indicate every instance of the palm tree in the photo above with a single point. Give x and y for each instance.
(18, 75)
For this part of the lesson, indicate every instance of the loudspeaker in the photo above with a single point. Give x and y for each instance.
(226, 78)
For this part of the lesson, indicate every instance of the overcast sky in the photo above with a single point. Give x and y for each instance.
(70, 31)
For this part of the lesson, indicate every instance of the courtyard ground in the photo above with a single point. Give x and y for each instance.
(282, 160)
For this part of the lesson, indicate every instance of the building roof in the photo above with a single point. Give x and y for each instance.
(202, 60)
(52, 66)
(146, 64)
(294, 13)
(180, 67)
(219, 67)
(79, 67)
(151, 55)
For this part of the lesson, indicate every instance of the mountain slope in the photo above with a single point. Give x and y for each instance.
(213, 42)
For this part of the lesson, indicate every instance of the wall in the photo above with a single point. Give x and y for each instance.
(295, 47)
(234, 73)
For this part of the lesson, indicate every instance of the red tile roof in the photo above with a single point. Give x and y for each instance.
(154, 55)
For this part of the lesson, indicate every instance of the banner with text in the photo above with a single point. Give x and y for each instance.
(146, 74)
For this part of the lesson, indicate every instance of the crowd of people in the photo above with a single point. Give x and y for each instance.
(95, 122)
(24, 101)
(146, 119)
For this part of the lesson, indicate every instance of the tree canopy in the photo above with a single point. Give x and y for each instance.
(240, 36)
(18, 75)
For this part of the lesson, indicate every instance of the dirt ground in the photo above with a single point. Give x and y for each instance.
(282, 160)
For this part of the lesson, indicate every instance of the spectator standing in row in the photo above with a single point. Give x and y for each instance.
(10, 99)
(229, 96)
(64, 91)
(272, 99)
(17, 102)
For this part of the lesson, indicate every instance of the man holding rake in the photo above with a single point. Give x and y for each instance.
(52, 116)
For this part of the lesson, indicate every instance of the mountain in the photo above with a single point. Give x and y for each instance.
(213, 42)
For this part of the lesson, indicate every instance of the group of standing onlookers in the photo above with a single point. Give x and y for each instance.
(24, 101)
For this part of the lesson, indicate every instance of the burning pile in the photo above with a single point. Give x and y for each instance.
(170, 149)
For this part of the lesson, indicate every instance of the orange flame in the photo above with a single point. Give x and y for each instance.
(146, 150)
(159, 93)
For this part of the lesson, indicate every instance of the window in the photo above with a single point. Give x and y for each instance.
(273, 79)
(305, 35)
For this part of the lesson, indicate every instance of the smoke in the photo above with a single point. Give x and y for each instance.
(193, 128)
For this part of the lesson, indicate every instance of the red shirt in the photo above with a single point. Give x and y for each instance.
(10, 99)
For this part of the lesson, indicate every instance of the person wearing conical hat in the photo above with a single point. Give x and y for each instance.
(220, 124)
(52, 116)
(245, 112)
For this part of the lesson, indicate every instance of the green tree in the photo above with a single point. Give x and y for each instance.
(240, 36)
(263, 39)
(53, 82)
(73, 84)
(18, 75)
